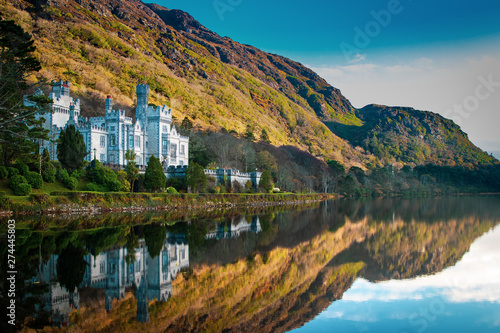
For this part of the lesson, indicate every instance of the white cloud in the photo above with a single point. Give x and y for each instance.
(476, 278)
(401, 69)
(358, 58)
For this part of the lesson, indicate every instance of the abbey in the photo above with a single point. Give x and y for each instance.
(108, 138)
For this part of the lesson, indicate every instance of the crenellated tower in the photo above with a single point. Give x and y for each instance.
(142, 102)
(109, 105)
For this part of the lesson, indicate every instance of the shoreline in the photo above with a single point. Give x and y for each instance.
(97, 203)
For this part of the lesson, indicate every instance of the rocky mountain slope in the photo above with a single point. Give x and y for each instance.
(106, 47)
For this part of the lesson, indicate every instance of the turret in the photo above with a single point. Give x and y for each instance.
(109, 104)
(142, 102)
(60, 88)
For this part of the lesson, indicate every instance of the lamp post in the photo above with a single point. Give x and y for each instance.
(93, 162)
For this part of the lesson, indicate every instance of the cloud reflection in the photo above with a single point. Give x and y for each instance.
(473, 279)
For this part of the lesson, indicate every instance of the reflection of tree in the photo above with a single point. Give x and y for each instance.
(71, 267)
(48, 247)
(154, 236)
(132, 244)
(195, 235)
(102, 239)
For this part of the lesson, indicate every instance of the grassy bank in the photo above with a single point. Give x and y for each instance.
(80, 201)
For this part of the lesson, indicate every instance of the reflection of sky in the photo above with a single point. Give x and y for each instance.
(462, 298)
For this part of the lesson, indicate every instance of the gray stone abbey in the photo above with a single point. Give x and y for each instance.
(109, 137)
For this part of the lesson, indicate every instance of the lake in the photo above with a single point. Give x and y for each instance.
(371, 265)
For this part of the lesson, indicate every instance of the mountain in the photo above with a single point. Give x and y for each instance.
(299, 264)
(106, 47)
(411, 136)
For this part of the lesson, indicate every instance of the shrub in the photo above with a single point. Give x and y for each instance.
(62, 175)
(71, 183)
(34, 179)
(171, 190)
(15, 181)
(22, 168)
(40, 198)
(56, 164)
(3, 172)
(78, 174)
(22, 189)
(94, 187)
(124, 183)
(176, 183)
(12, 172)
(106, 178)
(237, 188)
(49, 172)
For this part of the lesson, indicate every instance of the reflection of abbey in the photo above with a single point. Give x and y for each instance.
(235, 228)
(152, 277)
(109, 137)
(110, 270)
(114, 270)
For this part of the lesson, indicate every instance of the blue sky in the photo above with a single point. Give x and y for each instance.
(432, 55)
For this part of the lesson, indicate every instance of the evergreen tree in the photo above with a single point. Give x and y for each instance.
(249, 133)
(154, 178)
(266, 181)
(20, 130)
(131, 170)
(186, 126)
(71, 266)
(264, 137)
(71, 149)
(154, 236)
(195, 178)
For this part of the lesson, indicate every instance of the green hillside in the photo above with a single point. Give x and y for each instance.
(230, 90)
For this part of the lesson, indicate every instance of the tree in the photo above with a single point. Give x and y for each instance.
(266, 161)
(71, 149)
(48, 169)
(154, 178)
(195, 177)
(266, 182)
(186, 126)
(131, 170)
(264, 137)
(249, 133)
(71, 267)
(20, 129)
(154, 236)
(336, 166)
(198, 152)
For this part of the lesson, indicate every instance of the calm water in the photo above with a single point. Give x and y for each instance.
(428, 265)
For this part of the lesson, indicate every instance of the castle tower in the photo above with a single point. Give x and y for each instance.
(60, 88)
(109, 105)
(141, 293)
(73, 117)
(142, 102)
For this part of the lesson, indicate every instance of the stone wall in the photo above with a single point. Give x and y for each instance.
(222, 176)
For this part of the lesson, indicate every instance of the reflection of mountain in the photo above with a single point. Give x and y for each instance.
(300, 262)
